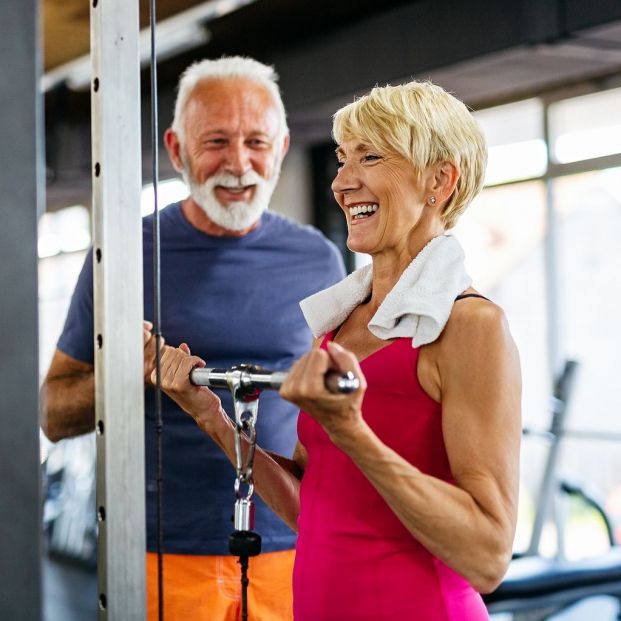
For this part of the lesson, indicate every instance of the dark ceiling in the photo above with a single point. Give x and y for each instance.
(261, 27)
(326, 51)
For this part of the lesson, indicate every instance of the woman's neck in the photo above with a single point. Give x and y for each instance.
(389, 265)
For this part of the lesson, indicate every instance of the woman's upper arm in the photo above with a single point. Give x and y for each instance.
(481, 395)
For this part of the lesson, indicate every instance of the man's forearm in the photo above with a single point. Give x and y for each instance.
(68, 405)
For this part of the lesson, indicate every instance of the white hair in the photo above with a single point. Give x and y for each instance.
(227, 67)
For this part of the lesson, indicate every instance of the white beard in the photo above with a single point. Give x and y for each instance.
(238, 215)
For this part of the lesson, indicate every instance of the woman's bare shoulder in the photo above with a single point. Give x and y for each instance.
(477, 328)
(475, 312)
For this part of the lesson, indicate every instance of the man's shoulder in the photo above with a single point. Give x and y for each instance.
(279, 224)
(174, 229)
(167, 214)
(305, 243)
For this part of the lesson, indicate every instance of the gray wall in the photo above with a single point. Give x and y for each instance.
(20, 579)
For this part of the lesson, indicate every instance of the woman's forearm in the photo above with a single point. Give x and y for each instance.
(276, 478)
(274, 482)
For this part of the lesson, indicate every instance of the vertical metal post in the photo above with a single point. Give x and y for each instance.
(545, 498)
(553, 284)
(555, 316)
(21, 194)
(118, 300)
(548, 488)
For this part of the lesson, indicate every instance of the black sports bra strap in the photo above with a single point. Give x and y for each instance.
(471, 295)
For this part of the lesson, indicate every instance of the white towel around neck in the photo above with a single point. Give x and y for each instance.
(418, 306)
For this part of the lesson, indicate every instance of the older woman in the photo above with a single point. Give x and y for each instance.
(404, 493)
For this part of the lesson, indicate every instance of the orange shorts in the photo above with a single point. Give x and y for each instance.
(208, 588)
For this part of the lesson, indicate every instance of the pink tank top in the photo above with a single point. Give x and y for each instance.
(355, 561)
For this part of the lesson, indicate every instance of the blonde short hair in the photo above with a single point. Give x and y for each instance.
(424, 124)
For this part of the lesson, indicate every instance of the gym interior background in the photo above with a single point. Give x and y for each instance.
(542, 240)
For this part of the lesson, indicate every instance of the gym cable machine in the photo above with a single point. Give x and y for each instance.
(245, 382)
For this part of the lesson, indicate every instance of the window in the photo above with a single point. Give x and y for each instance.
(586, 127)
(66, 230)
(168, 191)
(514, 134)
(589, 209)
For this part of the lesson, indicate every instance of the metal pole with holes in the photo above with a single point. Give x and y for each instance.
(118, 308)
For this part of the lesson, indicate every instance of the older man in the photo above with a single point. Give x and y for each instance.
(232, 276)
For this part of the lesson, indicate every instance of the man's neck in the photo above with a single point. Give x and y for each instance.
(201, 221)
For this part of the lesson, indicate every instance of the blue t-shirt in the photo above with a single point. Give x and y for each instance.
(233, 300)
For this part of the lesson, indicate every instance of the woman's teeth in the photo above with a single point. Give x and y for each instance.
(363, 211)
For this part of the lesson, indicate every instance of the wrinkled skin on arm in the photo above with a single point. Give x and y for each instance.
(68, 392)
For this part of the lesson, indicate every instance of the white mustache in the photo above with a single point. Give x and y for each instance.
(229, 180)
(236, 216)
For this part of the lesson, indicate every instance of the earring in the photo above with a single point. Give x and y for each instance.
(432, 200)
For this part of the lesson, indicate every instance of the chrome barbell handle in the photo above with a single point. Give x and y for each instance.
(268, 380)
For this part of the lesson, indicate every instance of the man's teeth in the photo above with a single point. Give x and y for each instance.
(360, 211)
(235, 189)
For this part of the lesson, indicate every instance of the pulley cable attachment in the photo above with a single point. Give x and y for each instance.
(244, 542)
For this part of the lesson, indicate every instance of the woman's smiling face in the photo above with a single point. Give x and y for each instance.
(382, 196)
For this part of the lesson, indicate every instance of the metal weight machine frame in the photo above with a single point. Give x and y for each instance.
(118, 308)
(118, 301)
